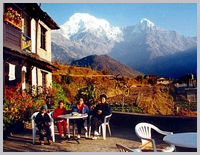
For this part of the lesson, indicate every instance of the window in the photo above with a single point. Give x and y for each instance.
(26, 24)
(43, 38)
(44, 79)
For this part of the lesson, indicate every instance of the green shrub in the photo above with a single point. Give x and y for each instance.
(89, 93)
(58, 94)
(67, 79)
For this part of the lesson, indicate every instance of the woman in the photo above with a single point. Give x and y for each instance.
(81, 108)
(61, 110)
(100, 111)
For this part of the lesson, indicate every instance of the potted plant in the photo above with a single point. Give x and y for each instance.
(13, 17)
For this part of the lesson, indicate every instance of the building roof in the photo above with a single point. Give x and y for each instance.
(35, 11)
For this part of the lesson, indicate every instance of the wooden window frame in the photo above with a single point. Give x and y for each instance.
(43, 37)
(44, 79)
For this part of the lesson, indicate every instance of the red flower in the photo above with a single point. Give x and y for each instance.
(15, 12)
(30, 105)
(9, 9)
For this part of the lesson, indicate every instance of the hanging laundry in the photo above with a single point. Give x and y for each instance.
(11, 72)
(24, 68)
(24, 78)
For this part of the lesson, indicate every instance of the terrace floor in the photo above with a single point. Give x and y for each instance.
(22, 142)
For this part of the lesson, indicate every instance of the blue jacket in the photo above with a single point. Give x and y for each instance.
(83, 111)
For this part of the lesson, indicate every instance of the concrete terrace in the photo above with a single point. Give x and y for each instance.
(122, 132)
(23, 143)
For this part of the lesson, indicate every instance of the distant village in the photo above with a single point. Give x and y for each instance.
(186, 85)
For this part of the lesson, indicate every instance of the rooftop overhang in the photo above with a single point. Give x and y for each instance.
(32, 59)
(37, 13)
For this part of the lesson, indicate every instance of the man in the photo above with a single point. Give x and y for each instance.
(100, 111)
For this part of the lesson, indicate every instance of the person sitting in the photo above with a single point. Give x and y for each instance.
(81, 108)
(101, 110)
(61, 110)
(42, 121)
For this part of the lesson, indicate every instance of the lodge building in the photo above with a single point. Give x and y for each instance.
(27, 46)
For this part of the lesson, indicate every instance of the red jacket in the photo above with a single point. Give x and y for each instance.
(58, 111)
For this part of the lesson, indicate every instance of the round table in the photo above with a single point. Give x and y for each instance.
(186, 140)
(73, 117)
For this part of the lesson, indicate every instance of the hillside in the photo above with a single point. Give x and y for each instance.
(82, 77)
(106, 64)
(124, 93)
(75, 71)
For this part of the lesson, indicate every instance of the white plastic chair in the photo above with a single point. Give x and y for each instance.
(34, 128)
(143, 131)
(123, 148)
(51, 113)
(52, 125)
(103, 125)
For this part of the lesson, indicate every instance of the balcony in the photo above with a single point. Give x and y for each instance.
(15, 39)
(12, 36)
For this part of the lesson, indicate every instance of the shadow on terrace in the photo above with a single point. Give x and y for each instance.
(122, 128)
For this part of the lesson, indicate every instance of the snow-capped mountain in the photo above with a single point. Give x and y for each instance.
(136, 46)
(145, 43)
(143, 24)
(82, 23)
(146, 38)
(96, 36)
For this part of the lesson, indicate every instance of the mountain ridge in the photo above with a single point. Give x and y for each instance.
(105, 63)
(135, 46)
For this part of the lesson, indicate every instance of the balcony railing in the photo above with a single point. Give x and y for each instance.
(15, 39)
(11, 36)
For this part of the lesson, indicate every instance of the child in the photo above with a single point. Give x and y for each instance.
(61, 110)
(42, 121)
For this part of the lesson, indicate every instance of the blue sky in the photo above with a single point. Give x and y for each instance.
(181, 17)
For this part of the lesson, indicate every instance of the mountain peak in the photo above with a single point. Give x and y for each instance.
(86, 17)
(144, 23)
(81, 24)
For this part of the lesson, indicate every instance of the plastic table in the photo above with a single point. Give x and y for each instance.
(186, 140)
(73, 117)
